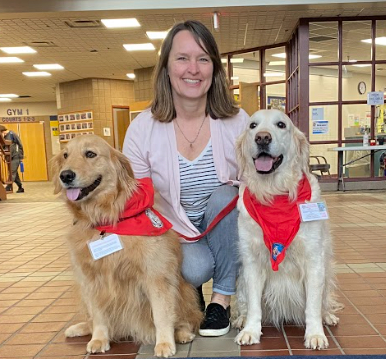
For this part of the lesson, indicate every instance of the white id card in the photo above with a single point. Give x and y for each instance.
(313, 211)
(104, 246)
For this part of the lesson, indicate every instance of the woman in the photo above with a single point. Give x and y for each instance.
(185, 143)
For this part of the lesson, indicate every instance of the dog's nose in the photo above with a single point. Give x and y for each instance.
(67, 176)
(263, 138)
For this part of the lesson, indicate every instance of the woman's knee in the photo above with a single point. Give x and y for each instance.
(196, 271)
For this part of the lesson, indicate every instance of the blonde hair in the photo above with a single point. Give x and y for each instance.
(220, 103)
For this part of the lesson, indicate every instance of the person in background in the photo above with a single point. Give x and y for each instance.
(186, 143)
(17, 155)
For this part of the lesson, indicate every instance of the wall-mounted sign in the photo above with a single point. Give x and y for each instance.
(319, 127)
(18, 119)
(317, 114)
(375, 98)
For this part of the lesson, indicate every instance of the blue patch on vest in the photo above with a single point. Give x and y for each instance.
(277, 248)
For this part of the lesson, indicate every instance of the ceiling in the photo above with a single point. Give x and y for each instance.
(86, 49)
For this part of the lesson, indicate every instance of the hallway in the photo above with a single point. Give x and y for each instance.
(38, 299)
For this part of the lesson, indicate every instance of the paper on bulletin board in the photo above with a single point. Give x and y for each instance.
(319, 127)
(54, 128)
(317, 114)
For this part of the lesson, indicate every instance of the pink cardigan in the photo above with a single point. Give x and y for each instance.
(151, 148)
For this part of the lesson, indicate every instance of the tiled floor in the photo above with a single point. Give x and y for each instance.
(37, 298)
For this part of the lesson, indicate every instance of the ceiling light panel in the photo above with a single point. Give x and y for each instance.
(273, 74)
(10, 60)
(310, 56)
(120, 23)
(378, 41)
(9, 95)
(131, 76)
(4, 99)
(48, 67)
(156, 35)
(139, 47)
(18, 50)
(37, 74)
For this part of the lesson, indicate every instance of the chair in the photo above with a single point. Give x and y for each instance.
(320, 164)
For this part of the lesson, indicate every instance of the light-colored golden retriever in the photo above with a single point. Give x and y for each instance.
(273, 158)
(137, 291)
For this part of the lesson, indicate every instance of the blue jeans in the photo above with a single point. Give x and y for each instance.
(215, 256)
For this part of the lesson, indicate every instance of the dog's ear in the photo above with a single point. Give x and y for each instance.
(55, 164)
(124, 171)
(303, 149)
(240, 153)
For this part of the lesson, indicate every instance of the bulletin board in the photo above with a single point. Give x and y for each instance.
(75, 124)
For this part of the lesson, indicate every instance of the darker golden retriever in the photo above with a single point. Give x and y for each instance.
(137, 291)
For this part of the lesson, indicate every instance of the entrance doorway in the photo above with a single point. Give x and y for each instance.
(35, 160)
(121, 121)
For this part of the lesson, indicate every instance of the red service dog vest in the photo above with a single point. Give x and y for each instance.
(139, 218)
(280, 221)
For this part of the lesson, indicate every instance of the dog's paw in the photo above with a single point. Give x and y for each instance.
(239, 322)
(330, 319)
(246, 337)
(164, 350)
(316, 341)
(77, 330)
(184, 336)
(98, 346)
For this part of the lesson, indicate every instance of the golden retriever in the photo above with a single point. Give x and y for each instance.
(273, 158)
(137, 291)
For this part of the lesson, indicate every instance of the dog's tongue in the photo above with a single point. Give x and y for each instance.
(263, 163)
(73, 193)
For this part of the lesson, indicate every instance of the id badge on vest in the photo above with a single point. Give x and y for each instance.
(105, 246)
(314, 211)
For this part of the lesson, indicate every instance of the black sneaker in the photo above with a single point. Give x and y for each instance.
(8, 188)
(216, 322)
(20, 190)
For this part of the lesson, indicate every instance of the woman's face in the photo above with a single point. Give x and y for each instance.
(190, 68)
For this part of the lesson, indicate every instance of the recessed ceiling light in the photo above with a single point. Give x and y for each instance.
(18, 50)
(378, 41)
(276, 63)
(4, 99)
(10, 60)
(310, 56)
(116, 23)
(139, 47)
(48, 67)
(237, 60)
(281, 55)
(36, 73)
(273, 74)
(234, 78)
(156, 35)
(362, 65)
(131, 76)
(9, 95)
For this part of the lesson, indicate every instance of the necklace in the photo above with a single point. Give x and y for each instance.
(199, 130)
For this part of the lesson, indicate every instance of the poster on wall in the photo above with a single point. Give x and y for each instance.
(319, 127)
(318, 114)
(75, 124)
(276, 102)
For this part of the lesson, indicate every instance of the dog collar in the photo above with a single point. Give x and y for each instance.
(280, 221)
(139, 217)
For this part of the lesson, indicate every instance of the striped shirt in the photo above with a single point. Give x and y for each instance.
(198, 181)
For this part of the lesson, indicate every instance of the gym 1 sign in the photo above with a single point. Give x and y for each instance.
(375, 98)
(17, 112)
